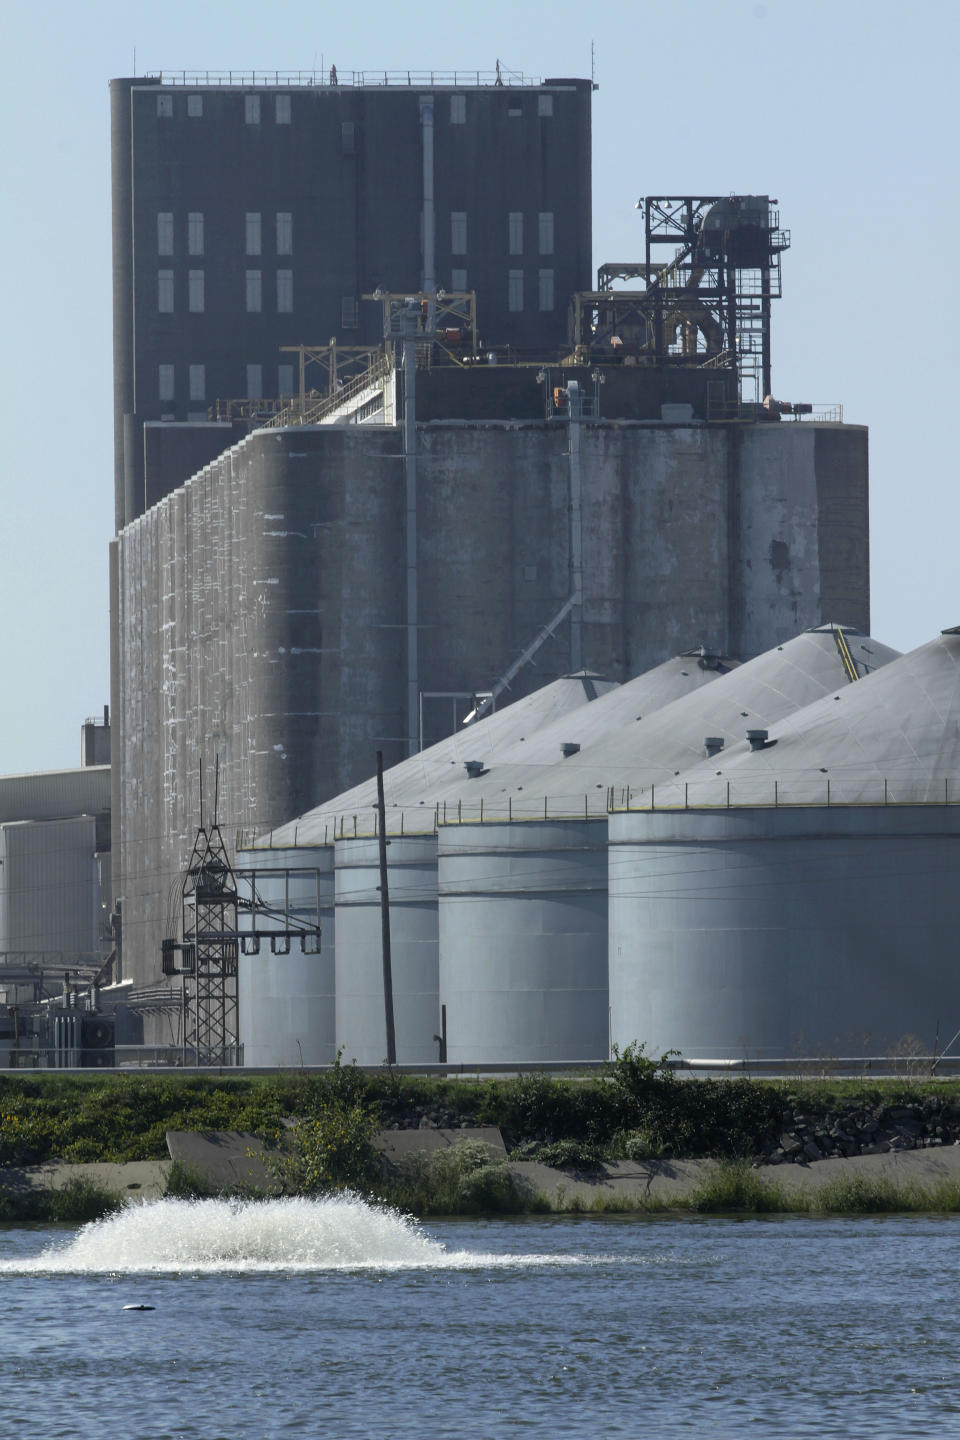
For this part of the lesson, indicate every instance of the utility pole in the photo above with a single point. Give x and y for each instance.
(385, 916)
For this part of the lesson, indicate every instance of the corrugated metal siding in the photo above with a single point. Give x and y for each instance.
(55, 794)
(49, 886)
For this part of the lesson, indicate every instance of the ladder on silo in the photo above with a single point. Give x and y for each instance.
(847, 660)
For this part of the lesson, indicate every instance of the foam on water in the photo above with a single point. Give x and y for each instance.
(338, 1233)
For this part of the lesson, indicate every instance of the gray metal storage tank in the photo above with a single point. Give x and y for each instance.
(802, 904)
(286, 1002)
(523, 914)
(418, 791)
(360, 1026)
(423, 788)
(523, 929)
(412, 877)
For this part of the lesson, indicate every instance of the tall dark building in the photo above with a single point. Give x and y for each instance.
(253, 212)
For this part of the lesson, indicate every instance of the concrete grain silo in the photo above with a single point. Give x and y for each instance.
(793, 896)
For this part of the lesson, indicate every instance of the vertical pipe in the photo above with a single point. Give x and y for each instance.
(429, 286)
(116, 752)
(766, 380)
(385, 918)
(574, 416)
(410, 506)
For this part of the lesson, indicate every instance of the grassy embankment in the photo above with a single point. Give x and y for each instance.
(637, 1110)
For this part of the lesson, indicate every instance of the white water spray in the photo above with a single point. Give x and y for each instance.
(201, 1236)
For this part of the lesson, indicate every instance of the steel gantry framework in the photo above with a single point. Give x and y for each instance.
(706, 304)
(207, 955)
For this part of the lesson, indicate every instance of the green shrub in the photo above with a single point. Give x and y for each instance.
(637, 1145)
(460, 1179)
(735, 1187)
(75, 1202)
(564, 1155)
(80, 1199)
(187, 1182)
(868, 1195)
(636, 1075)
(329, 1150)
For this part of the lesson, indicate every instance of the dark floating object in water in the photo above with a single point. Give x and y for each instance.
(139, 1307)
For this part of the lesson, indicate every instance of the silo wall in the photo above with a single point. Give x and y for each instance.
(286, 1002)
(781, 933)
(412, 884)
(523, 941)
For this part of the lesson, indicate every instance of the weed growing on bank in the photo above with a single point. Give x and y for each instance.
(75, 1202)
(734, 1188)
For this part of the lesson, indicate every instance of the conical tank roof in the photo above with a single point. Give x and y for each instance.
(892, 738)
(410, 783)
(474, 769)
(650, 746)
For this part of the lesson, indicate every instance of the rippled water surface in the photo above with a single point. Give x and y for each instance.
(329, 1319)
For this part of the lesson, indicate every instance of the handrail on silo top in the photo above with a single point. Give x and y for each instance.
(849, 664)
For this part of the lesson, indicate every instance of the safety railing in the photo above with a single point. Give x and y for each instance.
(316, 409)
(722, 410)
(246, 409)
(363, 823)
(787, 793)
(333, 78)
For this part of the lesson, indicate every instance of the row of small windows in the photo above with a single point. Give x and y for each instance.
(253, 230)
(458, 108)
(515, 219)
(349, 308)
(544, 232)
(251, 108)
(282, 110)
(515, 295)
(195, 291)
(197, 382)
(515, 288)
(254, 287)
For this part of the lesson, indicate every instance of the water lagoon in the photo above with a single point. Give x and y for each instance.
(307, 1318)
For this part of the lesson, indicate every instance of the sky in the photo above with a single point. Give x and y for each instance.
(845, 111)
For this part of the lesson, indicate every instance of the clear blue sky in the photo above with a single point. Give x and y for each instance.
(845, 111)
